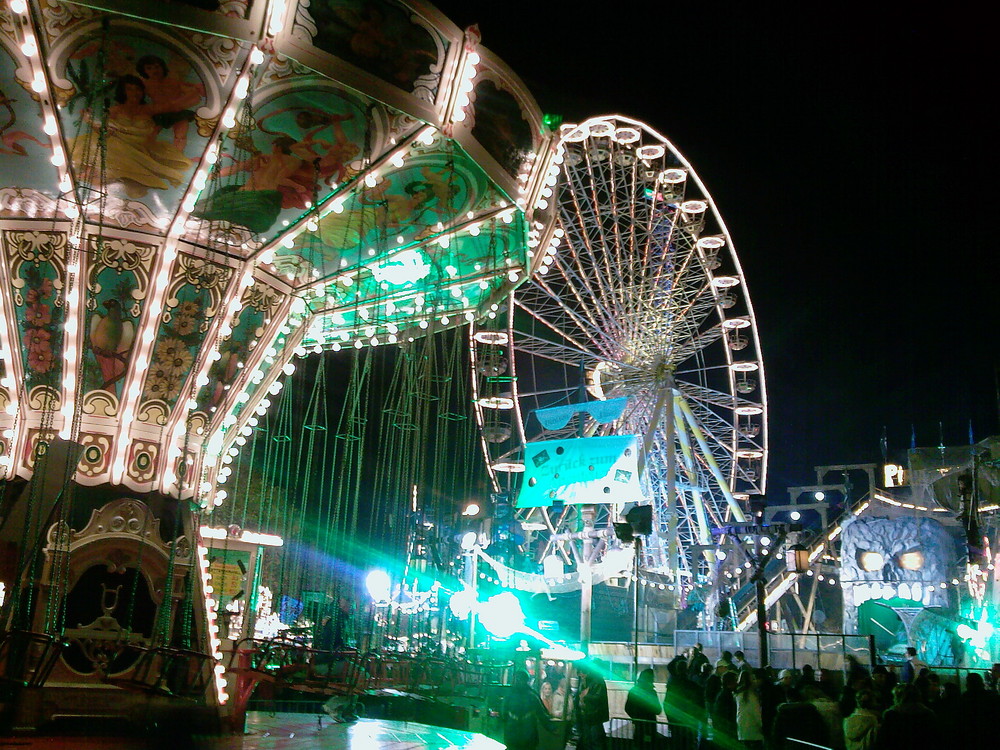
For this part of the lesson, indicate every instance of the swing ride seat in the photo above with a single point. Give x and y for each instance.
(388, 670)
(296, 666)
(27, 658)
(169, 672)
(476, 677)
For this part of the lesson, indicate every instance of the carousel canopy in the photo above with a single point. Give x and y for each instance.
(195, 192)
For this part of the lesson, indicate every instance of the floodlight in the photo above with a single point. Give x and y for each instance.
(378, 584)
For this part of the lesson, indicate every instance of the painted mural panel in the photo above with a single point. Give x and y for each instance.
(383, 38)
(117, 285)
(37, 267)
(302, 141)
(134, 111)
(259, 302)
(192, 301)
(24, 147)
(501, 126)
(409, 204)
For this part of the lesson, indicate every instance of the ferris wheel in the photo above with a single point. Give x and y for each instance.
(637, 295)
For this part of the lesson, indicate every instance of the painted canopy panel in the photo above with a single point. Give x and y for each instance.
(385, 39)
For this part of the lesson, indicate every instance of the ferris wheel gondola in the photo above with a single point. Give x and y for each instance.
(636, 294)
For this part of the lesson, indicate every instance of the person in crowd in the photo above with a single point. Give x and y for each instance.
(882, 684)
(740, 662)
(853, 669)
(993, 678)
(727, 657)
(522, 712)
(928, 687)
(643, 706)
(861, 726)
(323, 637)
(829, 712)
(797, 719)
(857, 682)
(912, 666)
(672, 664)
(699, 675)
(591, 710)
(682, 705)
(978, 711)
(750, 708)
(545, 693)
(909, 724)
(696, 660)
(771, 695)
(724, 733)
(714, 683)
(786, 682)
(342, 624)
(807, 677)
(828, 683)
(559, 699)
(947, 708)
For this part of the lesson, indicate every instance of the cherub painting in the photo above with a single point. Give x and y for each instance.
(145, 96)
(308, 155)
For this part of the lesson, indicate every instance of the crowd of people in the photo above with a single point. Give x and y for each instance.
(731, 705)
(526, 712)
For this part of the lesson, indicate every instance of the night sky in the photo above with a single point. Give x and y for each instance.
(852, 158)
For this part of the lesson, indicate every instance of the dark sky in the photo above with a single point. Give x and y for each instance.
(851, 156)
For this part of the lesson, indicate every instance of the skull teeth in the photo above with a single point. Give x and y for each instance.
(927, 594)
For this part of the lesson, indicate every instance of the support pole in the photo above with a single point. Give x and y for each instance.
(637, 545)
(672, 491)
(586, 576)
(762, 618)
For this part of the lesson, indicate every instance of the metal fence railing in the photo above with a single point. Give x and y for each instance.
(785, 650)
(651, 735)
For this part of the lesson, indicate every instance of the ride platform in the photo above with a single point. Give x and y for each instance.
(284, 731)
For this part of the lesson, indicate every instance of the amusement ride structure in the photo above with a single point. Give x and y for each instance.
(194, 194)
(636, 321)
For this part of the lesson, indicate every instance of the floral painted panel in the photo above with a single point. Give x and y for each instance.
(259, 303)
(37, 266)
(192, 302)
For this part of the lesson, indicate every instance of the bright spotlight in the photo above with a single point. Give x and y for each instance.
(472, 509)
(820, 496)
(765, 540)
(721, 554)
(795, 515)
(378, 584)
(502, 615)
(469, 540)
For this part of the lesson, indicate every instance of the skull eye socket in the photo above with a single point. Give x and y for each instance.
(870, 561)
(912, 560)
